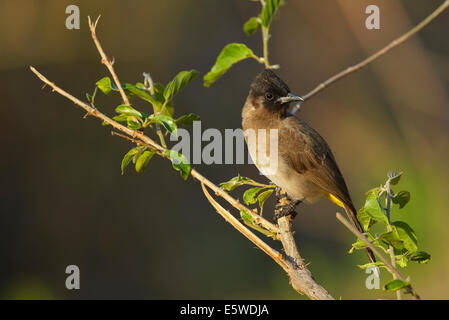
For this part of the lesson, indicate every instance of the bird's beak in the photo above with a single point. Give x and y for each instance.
(290, 98)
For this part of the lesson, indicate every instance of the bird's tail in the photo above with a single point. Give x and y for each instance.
(352, 214)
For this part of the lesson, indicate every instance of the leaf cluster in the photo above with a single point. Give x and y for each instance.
(397, 236)
(160, 97)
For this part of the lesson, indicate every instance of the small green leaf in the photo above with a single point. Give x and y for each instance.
(143, 160)
(395, 285)
(365, 219)
(128, 110)
(407, 235)
(269, 10)
(262, 197)
(249, 197)
(121, 118)
(179, 163)
(359, 244)
(178, 83)
(133, 123)
(130, 155)
(372, 207)
(187, 119)
(401, 198)
(402, 261)
(104, 123)
(419, 256)
(251, 26)
(372, 264)
(231, 54)
(392, 238)
(159, 96)
(246, 217)
(394, 177)
(166, 121)
(234, 183)
(140, 92)
(105, 85)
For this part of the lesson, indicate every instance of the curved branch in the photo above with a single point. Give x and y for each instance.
(301, 278)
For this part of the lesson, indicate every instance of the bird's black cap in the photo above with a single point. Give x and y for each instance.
(274, 91)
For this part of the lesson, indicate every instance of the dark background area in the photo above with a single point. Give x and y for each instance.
(154, 236)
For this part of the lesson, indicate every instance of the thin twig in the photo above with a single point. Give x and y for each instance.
(376, 251)
(105, 60)
(275, 255)
(376, 55)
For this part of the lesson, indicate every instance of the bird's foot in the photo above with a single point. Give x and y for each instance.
(283, 210)
(280, 194)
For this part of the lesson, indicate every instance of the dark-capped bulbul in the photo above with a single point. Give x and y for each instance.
(306, 168)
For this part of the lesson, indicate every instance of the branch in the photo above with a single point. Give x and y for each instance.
(138, 135)
(376, 251)
(376, 55)
(300, 277)
(104, 59)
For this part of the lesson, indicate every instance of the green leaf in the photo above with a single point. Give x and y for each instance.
(105, 85)
(359, 244)
(187, 119)
(419, 256)
(246, 217)
(365, 219)
(179, 163)
(395, 285)
(394, 177)
(128, 110)
(262, 197)
(166, 121)
(130, 155)
(372, 264)
(269, 11)
(231, 54)
(143, 160)
(159, 96)
(133, 123)
(407, 235)
(402, 261)
(372, 207)
(140, 92)
(249, 197)
(251, 26)
(392, 238)
(234, 183)
(178, 83)
(121, 118)
(401, 198)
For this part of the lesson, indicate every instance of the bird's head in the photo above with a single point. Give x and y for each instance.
(267, 88)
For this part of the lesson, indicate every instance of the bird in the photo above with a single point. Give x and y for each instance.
(306, 167)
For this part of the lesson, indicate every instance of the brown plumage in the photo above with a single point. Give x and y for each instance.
(306, 167)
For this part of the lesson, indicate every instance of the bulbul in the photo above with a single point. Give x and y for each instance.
(306, 168)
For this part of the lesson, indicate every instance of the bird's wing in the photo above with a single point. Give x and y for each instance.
(309, 154)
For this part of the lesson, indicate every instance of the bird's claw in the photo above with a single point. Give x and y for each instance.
(286, 209)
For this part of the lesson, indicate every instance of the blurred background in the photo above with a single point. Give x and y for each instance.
(154, 236)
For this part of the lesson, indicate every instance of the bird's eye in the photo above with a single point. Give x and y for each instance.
(269, 96)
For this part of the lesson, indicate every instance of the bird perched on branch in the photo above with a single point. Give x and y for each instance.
(305, 166)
